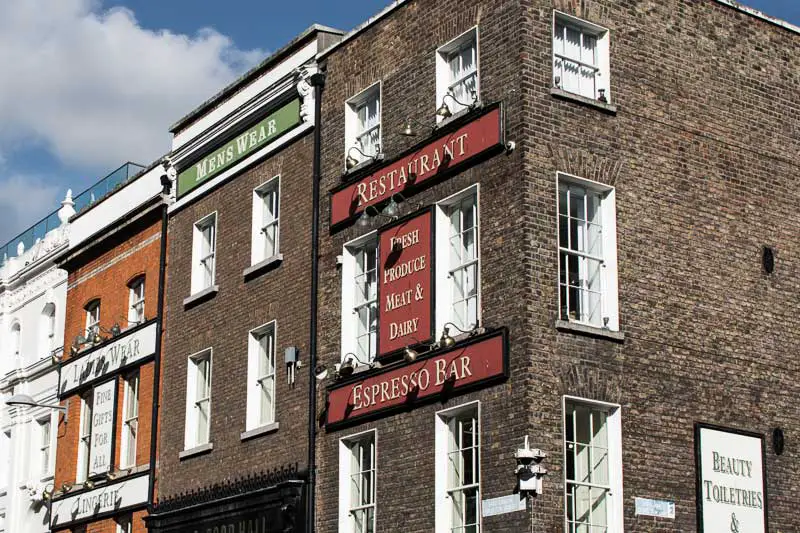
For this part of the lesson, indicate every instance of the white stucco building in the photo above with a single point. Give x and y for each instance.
(32, 300)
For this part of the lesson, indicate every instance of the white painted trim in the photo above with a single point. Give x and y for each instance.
(603, 40)
(441, 448)
(614, 420)
(196, 273)
(252, 421)
(760, 15)
(443, 73)
(190, 438)
(351, 120)
(345, 456)
(348, 320)
(256, 237)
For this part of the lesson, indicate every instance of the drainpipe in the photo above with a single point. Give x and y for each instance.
(162, 268)
(318, 82)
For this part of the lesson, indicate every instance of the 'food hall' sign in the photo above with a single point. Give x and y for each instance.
(731, 481)
(405, 283)
(422, 165)
(462, 366)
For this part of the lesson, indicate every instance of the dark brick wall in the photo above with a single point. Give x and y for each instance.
(702, 154)
(223, 323)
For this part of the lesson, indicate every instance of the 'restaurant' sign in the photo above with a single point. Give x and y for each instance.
(405, 285)
(731, 491)
(110, 498)
(422, 165)
(101, 451)
(252, 139)
(483, 360)
(93, 366)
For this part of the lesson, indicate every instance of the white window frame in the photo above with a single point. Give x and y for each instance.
(130, 420)
(201, 255)
(16, 339)
(45, 461)
(614, 432)
(261, 385)
(444, 83)
(347, 520)
(136, 301)
(444, 270)
(262, 224)
(194, 399)
(92, 318)
(601, 66)
(609, 302)
(444, 421)
(85, 436)
(124, 524)
(48, 325)
(352, 133)
(350, 306)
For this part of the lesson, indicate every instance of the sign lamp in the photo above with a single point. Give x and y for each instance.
(26, 400)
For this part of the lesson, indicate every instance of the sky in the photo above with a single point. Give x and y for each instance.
(90, 84)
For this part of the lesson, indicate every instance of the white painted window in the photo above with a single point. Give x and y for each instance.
(363, 123)
(45, 444)
(458, 261)
(48, 329)
(198, 400)
(266, 221)
(457, 72)
(587, 245)
(261, 376)
(357, 477)
(592, 467)
(136, 302)
(580, 57)
(85, 436)
(204, 253)
(16, 340)
(130, 420)
(458, 465)
(92, 319)
(360, 298)
(124, 524)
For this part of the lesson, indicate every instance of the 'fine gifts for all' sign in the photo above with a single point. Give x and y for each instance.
(480, 361)
(244, 144)
(731, 480)
(405, 273)
(419, 166)
(102, 442)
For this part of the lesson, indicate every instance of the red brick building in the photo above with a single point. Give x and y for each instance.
(103, 476)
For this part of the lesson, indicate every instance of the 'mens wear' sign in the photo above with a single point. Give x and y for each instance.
(244, 144)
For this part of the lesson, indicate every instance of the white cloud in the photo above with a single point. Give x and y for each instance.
(23, 201)
(96, 88)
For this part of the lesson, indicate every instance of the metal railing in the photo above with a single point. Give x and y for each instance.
(83, 201)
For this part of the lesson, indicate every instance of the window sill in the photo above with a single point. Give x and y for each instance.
(259, 268)
(197, 450)
(566, 95)
(202, 296)
(259, 431)
(591, 331)
(442, 122)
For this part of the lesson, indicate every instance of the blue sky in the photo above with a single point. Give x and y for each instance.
(83, 102)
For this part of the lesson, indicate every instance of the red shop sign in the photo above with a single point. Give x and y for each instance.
(424, 164)
(405, 283)
(482, 360)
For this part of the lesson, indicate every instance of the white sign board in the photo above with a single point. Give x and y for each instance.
(94, 366)
(657, 508)
(503, 505)
(115, 497)
(101, 452)
(731, 482)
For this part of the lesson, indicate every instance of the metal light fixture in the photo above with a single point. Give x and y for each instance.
(66, 487)
(47, 495)
(28, 401)
(347, 367)
(408, 131)
(446, 341)
(321, 372)
(410, 355)
(445, 112)
(351, 161)
(88, 484)
(116, 330)
(363, 220)
(392, 209)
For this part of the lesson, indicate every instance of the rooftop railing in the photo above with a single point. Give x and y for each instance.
(83, 201)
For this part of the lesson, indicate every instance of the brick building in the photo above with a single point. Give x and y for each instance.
(234, 439)
(103, 476)
(565, 225)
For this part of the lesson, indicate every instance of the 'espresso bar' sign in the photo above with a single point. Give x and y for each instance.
(405, 273)
(94, 366)
(481, 361)
(418, 167)
(731, 493)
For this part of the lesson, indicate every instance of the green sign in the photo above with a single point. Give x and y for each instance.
(243, 145)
